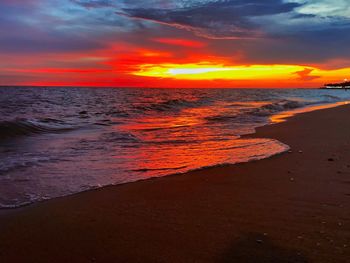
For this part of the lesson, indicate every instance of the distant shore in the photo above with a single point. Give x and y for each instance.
(293, 207)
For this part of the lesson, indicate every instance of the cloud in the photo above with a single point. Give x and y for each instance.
(304, 75)
(325, 8)
(180, 42)
(228, 19)
(94, 3)
(25, 29)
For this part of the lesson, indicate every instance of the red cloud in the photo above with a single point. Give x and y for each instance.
(180, 42)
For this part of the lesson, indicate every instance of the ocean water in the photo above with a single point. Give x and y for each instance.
(60, 141)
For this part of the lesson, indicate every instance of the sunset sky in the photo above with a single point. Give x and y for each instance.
(159, 43)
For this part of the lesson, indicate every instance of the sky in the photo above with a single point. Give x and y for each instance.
(174, 43)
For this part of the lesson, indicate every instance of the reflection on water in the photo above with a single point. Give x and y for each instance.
(283, 116)
(58, 141)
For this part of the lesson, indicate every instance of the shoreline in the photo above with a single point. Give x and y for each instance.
(219, 213)
(279, 117)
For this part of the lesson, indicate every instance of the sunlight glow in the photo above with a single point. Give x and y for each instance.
(205, 71)
(213, 71)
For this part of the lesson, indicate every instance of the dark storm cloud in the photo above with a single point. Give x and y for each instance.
(299, 47)
(24, 29)
(217, 19)
(93, 3)
(37, 43)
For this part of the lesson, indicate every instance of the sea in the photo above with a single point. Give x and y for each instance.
(57, 141)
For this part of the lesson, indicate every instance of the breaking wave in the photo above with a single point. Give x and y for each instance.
(22, 127)
(171, 105)
(283, 105)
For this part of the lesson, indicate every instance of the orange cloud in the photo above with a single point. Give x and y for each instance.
(305, 74)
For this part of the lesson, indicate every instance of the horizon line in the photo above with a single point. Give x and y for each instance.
(145, 87)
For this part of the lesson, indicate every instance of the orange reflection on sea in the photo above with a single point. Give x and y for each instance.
(282, 116)
(175, 143)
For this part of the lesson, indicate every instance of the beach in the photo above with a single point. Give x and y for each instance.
(292, 207)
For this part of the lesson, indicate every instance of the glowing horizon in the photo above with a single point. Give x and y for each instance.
(212, 71)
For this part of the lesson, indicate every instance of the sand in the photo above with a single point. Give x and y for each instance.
(293, 207)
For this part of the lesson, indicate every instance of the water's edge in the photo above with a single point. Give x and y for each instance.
(274, 119)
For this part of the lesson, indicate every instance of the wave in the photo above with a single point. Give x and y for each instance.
(120, 137)
(285, 105)
(170, 105)
(159, 169)
(282, 105)
(221, 118)
(253, 114)
(8, 164)
(245, 114)
(16, 204)
(331, 97)
(22, 127)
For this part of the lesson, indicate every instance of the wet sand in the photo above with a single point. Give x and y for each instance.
(294, 207)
